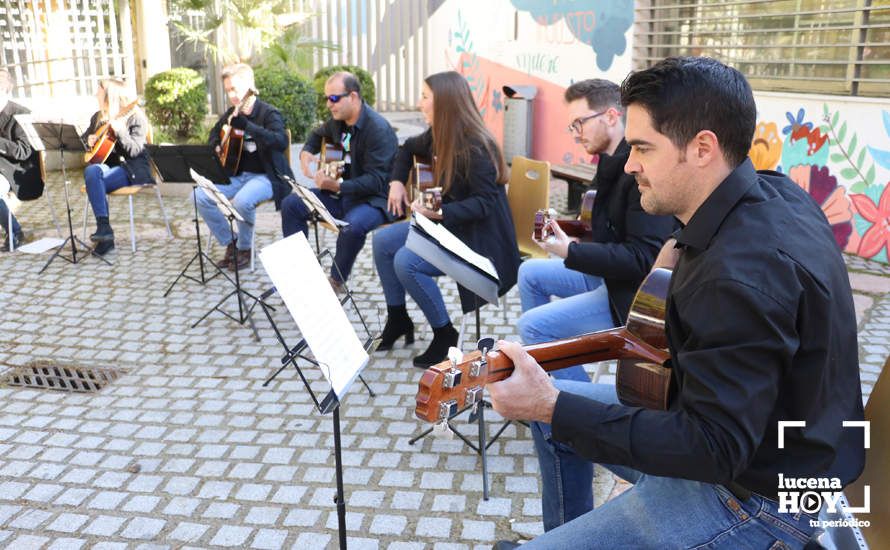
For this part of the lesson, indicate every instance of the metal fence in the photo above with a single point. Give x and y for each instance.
(62, 48)
(388, 38)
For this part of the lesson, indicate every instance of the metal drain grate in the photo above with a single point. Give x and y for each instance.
(54, 376)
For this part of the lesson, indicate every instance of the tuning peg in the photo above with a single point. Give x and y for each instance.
(485, 344)
(455, 356)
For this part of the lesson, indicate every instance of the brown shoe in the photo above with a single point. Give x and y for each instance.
(242, 258)
(226, 262)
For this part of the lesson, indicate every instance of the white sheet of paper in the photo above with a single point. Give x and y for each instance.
(211, 191)
(312, 202)
(448, 240)
(41, 246)
(25, 120)
(304, 288)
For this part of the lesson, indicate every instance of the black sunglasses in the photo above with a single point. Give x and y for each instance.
(335, 98)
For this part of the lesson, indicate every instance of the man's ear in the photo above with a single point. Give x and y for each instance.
(704, 148)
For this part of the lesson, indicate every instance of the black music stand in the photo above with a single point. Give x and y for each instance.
(173, 163)
(64, 137)
(318, 213)
(330, 403)
(431, 242)
(232, 215)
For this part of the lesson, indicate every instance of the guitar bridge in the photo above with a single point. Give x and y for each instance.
(474, 395)
(447, 409)
(452, 378)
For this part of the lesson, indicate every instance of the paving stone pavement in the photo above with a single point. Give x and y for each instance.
(189, 449)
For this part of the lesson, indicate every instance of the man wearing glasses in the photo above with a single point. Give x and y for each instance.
(595, 279)
(359, 197)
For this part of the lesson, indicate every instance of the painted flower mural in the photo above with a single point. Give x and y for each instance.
(873, 213)
(766, 147)
(804, 143)
(823, 187)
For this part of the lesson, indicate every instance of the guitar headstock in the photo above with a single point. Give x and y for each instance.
(453, 384)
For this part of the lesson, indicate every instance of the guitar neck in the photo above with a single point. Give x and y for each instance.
(615, 343)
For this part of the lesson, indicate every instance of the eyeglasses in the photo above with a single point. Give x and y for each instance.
(577, 125)
(335, 98)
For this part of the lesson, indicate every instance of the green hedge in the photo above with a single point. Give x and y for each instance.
(291, 94)
(176, 102)
(369, 91)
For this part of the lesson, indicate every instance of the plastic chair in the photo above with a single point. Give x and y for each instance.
(529, 191)
(129, 191)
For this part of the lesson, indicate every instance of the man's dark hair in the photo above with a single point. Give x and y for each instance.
(350, 82)
(599, 93)
(685, 95)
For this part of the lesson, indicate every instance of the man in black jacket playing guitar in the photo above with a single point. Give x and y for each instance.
(595, 279)
(259, 130)
(368, 146)
(761, 332)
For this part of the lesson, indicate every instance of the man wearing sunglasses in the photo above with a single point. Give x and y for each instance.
(359, 198)
(595, 279)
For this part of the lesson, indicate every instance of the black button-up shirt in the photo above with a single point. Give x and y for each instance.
(761, 328)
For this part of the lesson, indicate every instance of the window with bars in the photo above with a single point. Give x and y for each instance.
(811, 46)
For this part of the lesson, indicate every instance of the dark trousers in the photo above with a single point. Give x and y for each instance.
(362, 219)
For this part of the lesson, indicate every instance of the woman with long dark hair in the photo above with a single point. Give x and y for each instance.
(470, 168)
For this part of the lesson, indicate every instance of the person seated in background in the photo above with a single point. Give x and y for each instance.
(126, 165)
(369, 145)
(469, 167)
(595, 279)
(19, 164)
(261, 168)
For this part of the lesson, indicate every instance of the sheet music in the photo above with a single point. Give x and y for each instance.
(314, 204)
(26, 122)
(221, 201)
(311, 301)
(449, 241)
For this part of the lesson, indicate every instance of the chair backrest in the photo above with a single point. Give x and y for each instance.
(529, 191)
(876, 473)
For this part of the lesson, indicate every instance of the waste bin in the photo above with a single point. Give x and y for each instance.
(518, 120)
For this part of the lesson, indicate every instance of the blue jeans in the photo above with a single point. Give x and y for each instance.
(100, 180)
(400, 270)
(584, 306)
(4, 219)
(660, 512)
(245, 192)
(362, 219)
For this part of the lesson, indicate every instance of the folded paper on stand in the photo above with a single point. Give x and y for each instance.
(211, 191)
(440, 247)
(313, 203)
(308, 296)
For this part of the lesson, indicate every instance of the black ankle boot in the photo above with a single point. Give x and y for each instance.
(103, 230)
(443, 338)
(398, 323)
(103, 247)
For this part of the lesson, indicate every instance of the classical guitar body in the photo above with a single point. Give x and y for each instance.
(231, 140)
(102, 147)
(421, 178)
(643, 380)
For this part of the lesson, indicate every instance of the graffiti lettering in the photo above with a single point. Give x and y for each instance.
(581, 22)
(538, 63)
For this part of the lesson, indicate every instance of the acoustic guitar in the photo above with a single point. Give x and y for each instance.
(579, 228)
(643, 379)
(231, 140)
(105, 139)
(421, 178)
(332, 161)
